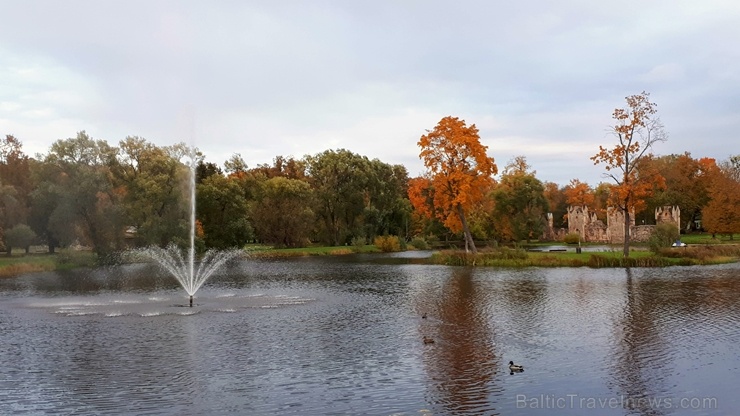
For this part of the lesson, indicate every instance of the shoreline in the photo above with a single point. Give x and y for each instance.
(694, 255)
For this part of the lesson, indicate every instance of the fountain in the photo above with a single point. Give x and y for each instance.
(184, 269)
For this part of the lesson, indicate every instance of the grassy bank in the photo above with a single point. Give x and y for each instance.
(261, 251)
(702, 254)
(63, 260)
(504, 257)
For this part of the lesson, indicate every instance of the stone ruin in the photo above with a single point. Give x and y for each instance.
(591, 229)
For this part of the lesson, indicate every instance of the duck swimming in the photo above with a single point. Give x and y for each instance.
(428, 340)
(514, 367)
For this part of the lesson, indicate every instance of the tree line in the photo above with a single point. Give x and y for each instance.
(135, 193)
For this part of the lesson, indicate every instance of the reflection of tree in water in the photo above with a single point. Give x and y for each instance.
(666, 320)
(462, 362)
(640, 352)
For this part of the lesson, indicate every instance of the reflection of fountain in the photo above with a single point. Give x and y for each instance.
(190, 277)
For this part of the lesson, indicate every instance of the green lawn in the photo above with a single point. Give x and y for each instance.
(15, 265)
(259, 250)
(705, 238)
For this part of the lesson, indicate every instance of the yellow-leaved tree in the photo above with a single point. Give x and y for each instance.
(458, 173)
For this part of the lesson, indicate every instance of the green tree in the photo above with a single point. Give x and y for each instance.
(78, 172)
(387, 208)
(21, 235)
(520, 200)
(205, 169)
(283, 215)
(223, 212)
(153, 182)
(340, 181)
(15, 183)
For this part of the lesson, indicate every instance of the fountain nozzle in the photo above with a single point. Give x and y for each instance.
(191, 301)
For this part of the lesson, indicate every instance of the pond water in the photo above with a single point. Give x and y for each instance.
(344, 335)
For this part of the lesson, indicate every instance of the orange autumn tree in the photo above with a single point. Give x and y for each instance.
(722, 214)
(579, 193)
(458, 173)
(637, 129)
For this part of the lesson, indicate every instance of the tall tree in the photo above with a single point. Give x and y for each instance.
(223, 212)
(153, 182)
(637, 129)
(283, 215)
(520, 200)
(459, 171)
(340, 182)
(15, 183)
(78, 172)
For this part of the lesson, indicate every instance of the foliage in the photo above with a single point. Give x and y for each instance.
(76, 198)
(358, 243)
(67, 259)
(283, 213)
(572, 238)
(223, 212)
(687, 184)
(637, 129)
(520, 201)
(556, 201)
(15, 183)
(722, 214)
(600, 261)
(387, 243)
(458, 173)
(419, 243)
(21, 235)
(579, 193)
(705, 253)
(155, 188)
(663, 236)
(355, 196)
(499, 256)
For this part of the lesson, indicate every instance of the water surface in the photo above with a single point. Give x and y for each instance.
(316, 336)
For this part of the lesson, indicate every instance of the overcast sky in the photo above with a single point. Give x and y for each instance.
(539, 78)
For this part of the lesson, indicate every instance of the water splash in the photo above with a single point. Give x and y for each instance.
(183, 268)
(190, 274)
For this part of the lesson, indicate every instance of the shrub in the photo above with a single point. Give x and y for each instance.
(387, 243)
(663, 236)
(420, 243)
(358, 243)
(572, 238)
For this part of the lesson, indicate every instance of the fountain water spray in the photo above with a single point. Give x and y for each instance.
(190, 276)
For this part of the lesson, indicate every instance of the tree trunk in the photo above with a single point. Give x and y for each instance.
(468, 237)
(626, 252)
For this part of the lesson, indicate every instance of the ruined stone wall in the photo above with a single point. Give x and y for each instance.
(641, 233)
(591, 229)
(577, 220)
(615, 225)
(586, 224)
(668, 214)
